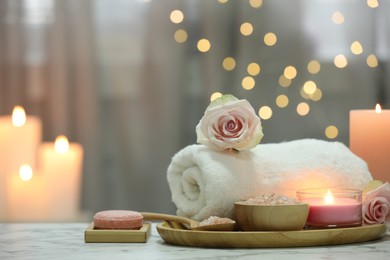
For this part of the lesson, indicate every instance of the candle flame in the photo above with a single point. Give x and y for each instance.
(378, 108)
(61, 144)
(25, 172)
(18, 116)
(328, 197)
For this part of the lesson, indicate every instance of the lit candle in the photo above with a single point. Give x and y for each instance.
(333, 208)
(20, 136)
(61, 164)
(370, 140)
(27, 196)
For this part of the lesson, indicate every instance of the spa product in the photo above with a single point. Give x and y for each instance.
(118, 219)
(271, 199)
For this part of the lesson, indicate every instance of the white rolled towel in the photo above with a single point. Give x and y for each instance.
(206, 183)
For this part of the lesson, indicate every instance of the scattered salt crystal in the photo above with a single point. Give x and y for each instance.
(215, 220)
(271, 199)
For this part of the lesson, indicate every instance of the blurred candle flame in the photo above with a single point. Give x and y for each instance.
(61, 144)
(18, 116)
(328, 197)
(25, 172)
(378, 108)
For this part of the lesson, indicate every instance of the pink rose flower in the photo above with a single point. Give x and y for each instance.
(229, 123)
(376, 205)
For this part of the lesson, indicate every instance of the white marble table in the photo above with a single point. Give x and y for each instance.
(66, 241)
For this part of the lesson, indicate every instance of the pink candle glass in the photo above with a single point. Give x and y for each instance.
(330, 208)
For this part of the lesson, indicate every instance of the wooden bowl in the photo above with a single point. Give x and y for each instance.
(271, 217)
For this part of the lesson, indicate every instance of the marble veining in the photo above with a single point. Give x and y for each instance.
(66, 241)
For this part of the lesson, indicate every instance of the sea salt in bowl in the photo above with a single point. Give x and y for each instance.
(271, 212)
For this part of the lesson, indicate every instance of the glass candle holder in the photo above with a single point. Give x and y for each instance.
(331, 208)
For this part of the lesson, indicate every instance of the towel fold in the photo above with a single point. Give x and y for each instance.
(206, 183)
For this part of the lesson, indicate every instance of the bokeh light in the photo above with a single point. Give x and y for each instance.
(204, 45)
(304, 94)
(372, 61)
(303, 109)
(253, 69)
(313, 67)
(290, 72)
(255, 3)
(309, 87)
(215, 95)
(373, 3)
(246, 29)
(338, 17)
(180, 36)
(270, 39)
(282, 101)
(248, 83)
(176, 16)
(317, 95)
(223, 1)
(284, 82)
(340, 61)
(331, 132)
(229, 63)
(356, 48)
(265, 112)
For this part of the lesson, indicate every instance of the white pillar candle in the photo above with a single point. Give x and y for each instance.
(19, 140)
(27, 196)
(61, 164)
(370, 140)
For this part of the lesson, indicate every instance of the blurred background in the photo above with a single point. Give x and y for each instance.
(130, 79)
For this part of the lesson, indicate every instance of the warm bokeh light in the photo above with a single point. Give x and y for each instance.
(203, 45)
(255, 3)
(253, 69)
(223, 1)
(246, 29)
(331, 132)
(356, 48)
(378, 109)
(309, 87)
(303, 109)
(373, 3)
(18, 116)
(248, 83)
(61, 145)
(265, 112)
(317, 95)
(372, 61)
(215, 95)
(180, 36)
(270, 39)
(25, 172)
(304, 94)
(176, 16)
(229, 63)
(284, 82)
(282, 101)
(338, 17)
(290, 72)
(313, 67)
(340, 61)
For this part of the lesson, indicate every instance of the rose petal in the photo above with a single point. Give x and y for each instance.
(376, 210)
(229, 123)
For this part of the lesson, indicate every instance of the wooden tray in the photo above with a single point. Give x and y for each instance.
(239, 239)
(141, 235)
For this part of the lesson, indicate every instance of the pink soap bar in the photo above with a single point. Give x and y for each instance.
(118, 219)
